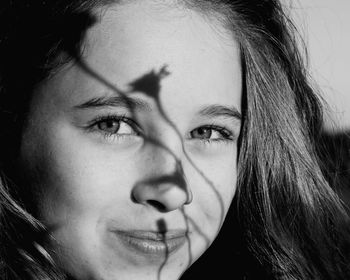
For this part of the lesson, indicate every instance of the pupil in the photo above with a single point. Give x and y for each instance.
(203, 132)
(109, 125)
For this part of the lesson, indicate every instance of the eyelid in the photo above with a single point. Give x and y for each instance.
(231, 136)
(221, 129)
(119, 118)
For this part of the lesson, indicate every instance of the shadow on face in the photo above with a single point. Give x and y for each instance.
(134, 145)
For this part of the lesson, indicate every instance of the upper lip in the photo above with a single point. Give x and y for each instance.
(153, 235)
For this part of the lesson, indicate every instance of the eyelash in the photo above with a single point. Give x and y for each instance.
(92, 126)
(227, 136)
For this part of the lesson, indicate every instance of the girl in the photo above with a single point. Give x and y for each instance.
(130, 126)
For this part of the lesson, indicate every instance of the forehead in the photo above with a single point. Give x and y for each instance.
(132, 39)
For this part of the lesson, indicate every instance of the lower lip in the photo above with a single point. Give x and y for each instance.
(151, 247)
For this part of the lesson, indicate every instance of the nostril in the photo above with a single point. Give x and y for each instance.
(162, 195)
(156, 204)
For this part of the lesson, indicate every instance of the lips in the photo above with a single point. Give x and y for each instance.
(152, 244)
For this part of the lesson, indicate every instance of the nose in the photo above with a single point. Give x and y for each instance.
(165, 192)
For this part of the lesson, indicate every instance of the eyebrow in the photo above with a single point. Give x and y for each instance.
(115, 101)
(220, 111)
(214, 110)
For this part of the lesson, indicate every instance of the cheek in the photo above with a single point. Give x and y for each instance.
(213, 184)
(80, 180)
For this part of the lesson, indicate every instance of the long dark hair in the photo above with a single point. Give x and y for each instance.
(294, 225)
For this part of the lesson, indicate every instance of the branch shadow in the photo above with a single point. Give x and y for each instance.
(162, 228)
(150, 85)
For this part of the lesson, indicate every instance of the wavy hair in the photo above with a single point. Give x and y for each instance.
(293, 223)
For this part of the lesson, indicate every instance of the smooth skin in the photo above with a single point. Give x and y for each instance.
(96, 165)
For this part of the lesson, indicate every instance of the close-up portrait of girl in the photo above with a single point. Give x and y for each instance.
(132, 129)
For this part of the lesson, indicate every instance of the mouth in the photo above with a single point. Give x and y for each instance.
(153, 244)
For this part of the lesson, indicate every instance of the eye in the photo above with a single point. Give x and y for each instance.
(201, 133)
(211, 133)
(115, 126)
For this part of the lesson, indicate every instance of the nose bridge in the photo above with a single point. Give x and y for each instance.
(165, 157)
(164, 147)
(167, 140)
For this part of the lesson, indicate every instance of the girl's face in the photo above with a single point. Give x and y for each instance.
(134, 182)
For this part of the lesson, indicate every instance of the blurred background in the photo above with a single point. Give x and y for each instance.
(325, 27)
